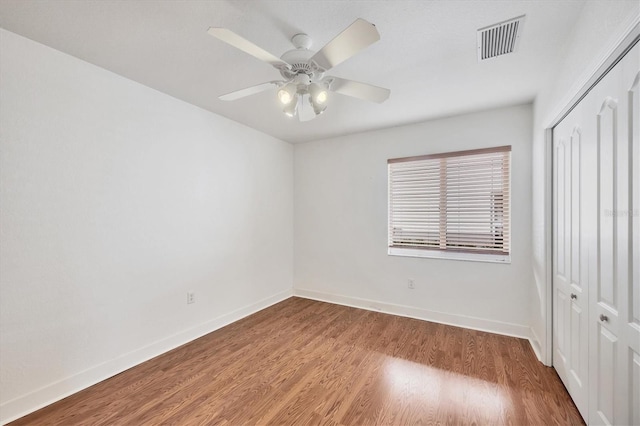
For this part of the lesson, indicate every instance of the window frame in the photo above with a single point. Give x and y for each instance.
(455, 253)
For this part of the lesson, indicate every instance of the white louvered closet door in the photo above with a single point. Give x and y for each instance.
(597, 248)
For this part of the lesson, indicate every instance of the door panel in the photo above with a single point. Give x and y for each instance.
(607, 120)
(634, 381)
(576, 138)
(578, 367)
(604, 102)
(561, 317)
(634, 224)
(561, 199)
(632, 326)
(634, 190)
(611, 312)
(561, 298)
(577, 359)
(607, 348)
(570, 292)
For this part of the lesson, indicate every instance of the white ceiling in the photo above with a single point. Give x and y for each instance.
(426, 54)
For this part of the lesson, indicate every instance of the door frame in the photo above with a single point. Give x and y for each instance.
(624, 41)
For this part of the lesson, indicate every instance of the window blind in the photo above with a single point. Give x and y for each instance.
(456, 201)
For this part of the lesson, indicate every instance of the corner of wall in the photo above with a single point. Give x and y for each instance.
(582, 65)
(456, 320)
(19, 407)
(534, 341)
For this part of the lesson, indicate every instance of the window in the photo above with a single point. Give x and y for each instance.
(453, 205)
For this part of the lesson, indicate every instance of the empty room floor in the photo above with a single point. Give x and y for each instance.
(307, 362)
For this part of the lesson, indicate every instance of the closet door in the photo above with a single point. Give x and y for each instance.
(596, 244)
(613, 325)
(570, 355)
(631, 297)
(633, 319)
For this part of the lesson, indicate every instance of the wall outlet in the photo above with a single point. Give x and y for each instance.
(410, 284)
(191, 297)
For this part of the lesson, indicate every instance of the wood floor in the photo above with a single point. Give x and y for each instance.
(308, 362)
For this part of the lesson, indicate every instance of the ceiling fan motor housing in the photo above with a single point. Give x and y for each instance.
(299, 59)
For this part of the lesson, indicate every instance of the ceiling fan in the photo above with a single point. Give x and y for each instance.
(304, 90)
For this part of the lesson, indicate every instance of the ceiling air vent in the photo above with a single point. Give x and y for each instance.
(499, 39)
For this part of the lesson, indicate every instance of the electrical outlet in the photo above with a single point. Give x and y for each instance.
(191, 298)
(411, 284)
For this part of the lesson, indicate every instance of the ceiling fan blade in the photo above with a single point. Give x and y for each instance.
(358, 89)
(246, 46)
(249, 91)
(356, 37)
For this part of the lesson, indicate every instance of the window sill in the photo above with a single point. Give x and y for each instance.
(450, 255)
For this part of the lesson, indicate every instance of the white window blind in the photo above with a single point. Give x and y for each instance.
(456, 201)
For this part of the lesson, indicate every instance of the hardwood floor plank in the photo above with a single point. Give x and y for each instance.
(305, 362)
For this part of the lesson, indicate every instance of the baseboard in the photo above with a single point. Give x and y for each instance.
(473, 323)
(19, 407)
(534, 340)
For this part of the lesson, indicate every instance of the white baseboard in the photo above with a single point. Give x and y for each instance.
(21, 406)
(473, 323)
(534, 340)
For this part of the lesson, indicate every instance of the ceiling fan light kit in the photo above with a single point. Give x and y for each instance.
(304, 90)
(292, 107)
(318, 109)
(287, 93)
(318, 94)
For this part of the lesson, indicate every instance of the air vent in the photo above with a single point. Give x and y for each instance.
(499, 39)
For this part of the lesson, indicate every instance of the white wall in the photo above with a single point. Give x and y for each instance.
(596, 31)
(117, 200)
(341, 226)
